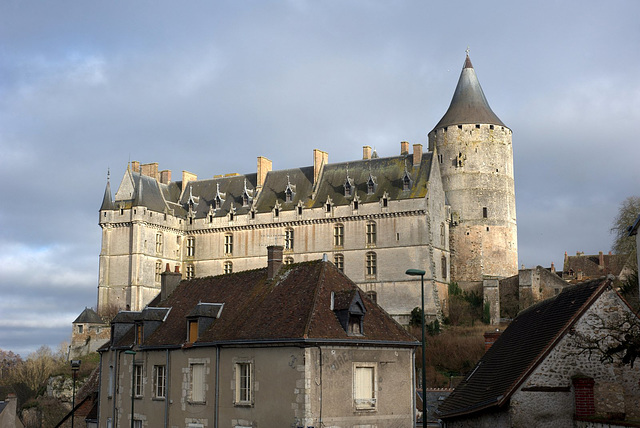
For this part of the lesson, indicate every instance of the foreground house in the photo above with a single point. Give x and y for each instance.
(284, 346)
(540, 371)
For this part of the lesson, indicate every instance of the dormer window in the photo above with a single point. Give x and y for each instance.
(348, 186)
(290, 191)
(201, 318)
(193, 331)
(139, 333)
(349, 309)
(247, 195)
(299, 208)
(328, 205)
(371, 185)
(218, 200)
(406, 181)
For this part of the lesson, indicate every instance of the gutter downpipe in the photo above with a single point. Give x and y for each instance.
(216, 407)
(114, 420)
(413, 389)
(167, 381)
(99, 386)
(320, 423)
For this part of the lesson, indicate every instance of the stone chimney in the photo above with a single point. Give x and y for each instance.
(553, 268)
(320, 159)
(165, 176)
(490, 338)
(404, 148)
(583, 396)
(417, 154)
(264, 166)
(150, 170)
(600, 260)
(135, 166)
(274, 260)
(187, 177)
(366, 152)
(169, 281)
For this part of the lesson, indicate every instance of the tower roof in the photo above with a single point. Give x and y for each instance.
(469, 105)
(107, 202)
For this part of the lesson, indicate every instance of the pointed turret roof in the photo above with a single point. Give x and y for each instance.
(107, 202)
(469, 105)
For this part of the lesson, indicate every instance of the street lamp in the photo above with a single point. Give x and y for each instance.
(420, 273)
(75, 366)
(133, 374)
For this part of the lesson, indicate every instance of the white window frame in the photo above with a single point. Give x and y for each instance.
(338, 235)
(244, 382)
(191, 246)
(371, 232)
(338, 260)
(360, 401)
(138, 380)
(371, 264)
(197, 390)
(160, 381)
(228, 244)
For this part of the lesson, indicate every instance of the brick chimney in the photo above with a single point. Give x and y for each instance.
(135, 166)
(187, 177)
(490, 338)
(274, 260)
(320, 158)
(366, 152)
(169, 281)
(150, 170)
(601, 260)
(264, 166)
(417, 154)
(165, 176)
(553, 268)
(583, 394)
(404, 148)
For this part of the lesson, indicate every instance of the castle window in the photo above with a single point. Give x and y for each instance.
(484, 212)
(338, 235)
(459, 126)
(231, 216)
(210, 218)
(299, 209)
(121, 211)
(443, 265)
(288, 240)
(191, 246)
(158, 243)
(490, 126)
(406, 181)
(191, 271)
(373, 296)
(190, 220)
(253, 215)
(245, 200)
(477, 126)
(288, 260)
(80, 328)
(371, 185)
(217, 202)
(371, 264)
(288, 195)
(158, 270)
(371, 233)
(328, 206)
(385, 202)
(355, 204)
(487, 228)
(442, 234)
(276, 212)
(228, 267)
(338, 260)
(228, 244)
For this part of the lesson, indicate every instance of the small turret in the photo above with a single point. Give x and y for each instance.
(107, 202)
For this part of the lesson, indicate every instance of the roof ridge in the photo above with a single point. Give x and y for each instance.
(320, 283)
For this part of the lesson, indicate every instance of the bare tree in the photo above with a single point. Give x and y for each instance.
(627, 214)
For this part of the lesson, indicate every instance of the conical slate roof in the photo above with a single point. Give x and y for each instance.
(469, 105)
(89, 316)
(107, 202)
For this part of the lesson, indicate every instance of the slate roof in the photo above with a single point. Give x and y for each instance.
(200, 195)
(520, 348)
(89, 316)
(468, 105)
(292, 307)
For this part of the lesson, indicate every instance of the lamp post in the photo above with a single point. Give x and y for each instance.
(420, 273)
(75, 366)
(133, 375)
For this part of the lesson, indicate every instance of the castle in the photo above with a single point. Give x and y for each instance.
(449, 210)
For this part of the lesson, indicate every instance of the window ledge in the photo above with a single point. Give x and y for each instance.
(197, 403)
(158, 398)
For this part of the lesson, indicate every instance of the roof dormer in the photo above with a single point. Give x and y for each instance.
(350, 310)
(200, 319)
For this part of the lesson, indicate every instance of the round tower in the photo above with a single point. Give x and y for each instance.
(475, 155)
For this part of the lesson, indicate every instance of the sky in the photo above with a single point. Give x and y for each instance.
(86, 87)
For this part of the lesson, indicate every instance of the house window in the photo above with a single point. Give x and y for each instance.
(191, 271)
(109, 423)
(288, 260)
(244, 387)
(228, 244)
(338, 260)
(288, 239)
(158, 270)
(371, 264)
(371, 233)
(158, 243)
(193, 331)
(484, 212)
(137, 423)
(80, 328)
(228, 267)
(191, 246)
(355, 324)
(443, 264)
(197, 383)
(364, 386)
(338, 235)
(160, 381)
(137, 380)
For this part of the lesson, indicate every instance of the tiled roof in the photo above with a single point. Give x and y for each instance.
(520, 348)
(589, 265)
(294, 306)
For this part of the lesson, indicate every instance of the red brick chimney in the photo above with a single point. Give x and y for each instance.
(583, 394)
(490, 338)
(274, 260)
